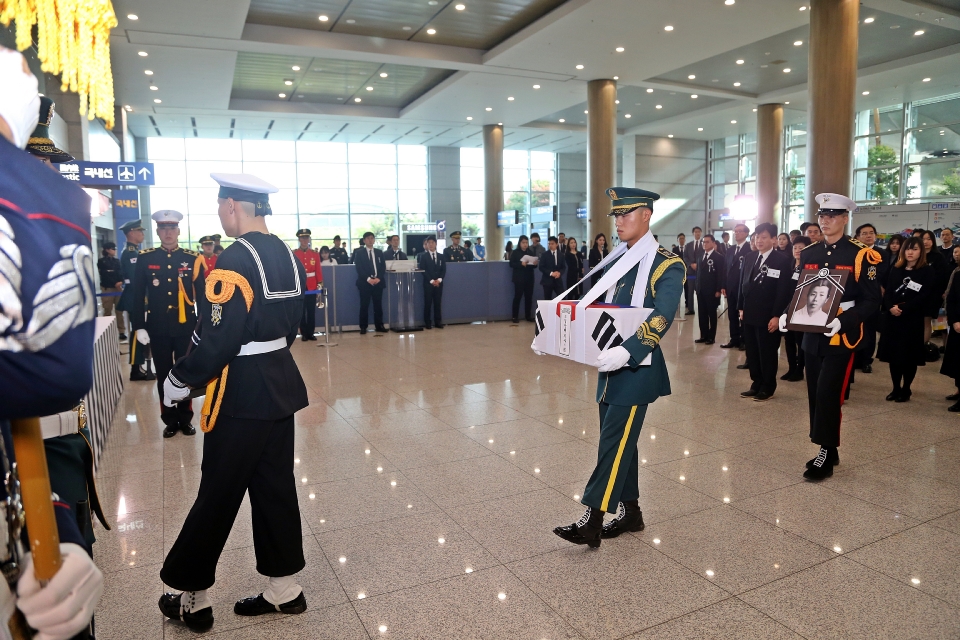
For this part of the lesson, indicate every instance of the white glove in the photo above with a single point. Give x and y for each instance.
(533, 346)
(63, 607)
(142, 336)
(173, 393)
(834, 327)
(783, 323)
(613, 359)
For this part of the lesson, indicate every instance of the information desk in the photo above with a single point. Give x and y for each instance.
(472, 291)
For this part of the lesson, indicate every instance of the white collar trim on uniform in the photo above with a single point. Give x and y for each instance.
(267, 293)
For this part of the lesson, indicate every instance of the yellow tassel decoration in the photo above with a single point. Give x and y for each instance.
(73, 40)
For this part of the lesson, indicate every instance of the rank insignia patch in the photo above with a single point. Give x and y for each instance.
(872, 273)
(216, 314)
(658, 323)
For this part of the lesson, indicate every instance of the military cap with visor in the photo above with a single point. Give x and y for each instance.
(167, 218)
(133, 225)
(244, 187)
(303, 233)
(626, 199)
(834, 204)
(207, 240)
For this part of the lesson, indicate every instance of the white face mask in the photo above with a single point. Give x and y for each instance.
(19, 100)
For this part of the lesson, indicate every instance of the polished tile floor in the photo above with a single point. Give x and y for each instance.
(433, 466)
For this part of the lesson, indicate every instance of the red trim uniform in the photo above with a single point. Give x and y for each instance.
(211, 262)
(311, 264)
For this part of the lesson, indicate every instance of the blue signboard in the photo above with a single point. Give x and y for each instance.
(581, 212)
(506, 218)
(126, 207)
(542, 214)
(107, 174)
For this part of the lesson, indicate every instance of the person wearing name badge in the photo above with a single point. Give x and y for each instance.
(208, 246)
(253, 390)
(139, 351)
(371, 281)
(310, 260)
(434, 267)
(709, 285)
(867, 234)
(765, 294)
(394, 252)
(829, 356)
(552, 266)
(168, 297)
(735, 256)
(479, 251)
(910, 284)
(625, 385)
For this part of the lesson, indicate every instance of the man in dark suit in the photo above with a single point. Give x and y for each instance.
(434, 269)
(709, 284)
(766, 288)
(553, 267)
(692, 253)
(394, 252)
(734, 259)
(724, 243)
(371, 274)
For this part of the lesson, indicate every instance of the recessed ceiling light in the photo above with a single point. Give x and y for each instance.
(694, 96)
(469, 117)
(619, 49)
(288, 82)
(562, 120)
(616, 77)
(351, 21)
(283, 95)
(142, 54)
(536, 86)
(128, 107)
(586, 111)
(699, 128)
(649, 90)
(154, 87)
(431, 31)
(739, 61)
(369, 88)
(157, 100)
(798, 43)
(384, 74)
(659, 106)
(460, 7)
(894, 26)
(691, 77)
(669, 135)
(132, 16)
(358, 100)
(627, 115)
(295, 68)
(926, 79)
(148, 72)
(919, 32)
(868, 20)
(754, 110)
(499, 124)
(408, 28)
(579, 66)
(729, 2)
(433, 3)
(510, 98)
(489, 109)
(787, 102)
(733, 122)
(803, 8)
(324, 18)
(736, 84)
(616, 102)
(787, 70)
(669, 27)
(865, 93)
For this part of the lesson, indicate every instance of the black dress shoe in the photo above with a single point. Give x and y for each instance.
(904, 396)
(818, 473)
(796, 376)
(763, 396)
(188, 429)
(629, 518)
(381, 329)
(709, 341)
(689, 313)
(363, 332)
(893, 395)
(742, 347)
(258, 605)
(699, 341)
(313, 338)
(515, 321)
(787, 375)
(749, 393)
(586, 530)
(441, 326)
(954, 408)
(529, 319)
(833, 459)
(169, 432)
(867, 368)
(304, 338)
(729, 345)
(743, 366)
(123, 336)
(201, 620)
(953, 396)
(138, 376)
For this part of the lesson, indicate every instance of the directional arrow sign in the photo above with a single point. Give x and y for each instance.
(107, 174)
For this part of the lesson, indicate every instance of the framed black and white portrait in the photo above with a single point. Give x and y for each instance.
(816, 299)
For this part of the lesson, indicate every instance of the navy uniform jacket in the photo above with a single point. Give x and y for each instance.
(863, 288)
(340, 255)
(128, 269)
(365, 268)
(711, 276)
(766, 293)
(548, 265)
(432, 270)
(457, 254)
(156, 291)
(47, 299)
(635, 384)
(254, 295)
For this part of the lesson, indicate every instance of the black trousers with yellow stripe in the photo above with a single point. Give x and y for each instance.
(615, 477)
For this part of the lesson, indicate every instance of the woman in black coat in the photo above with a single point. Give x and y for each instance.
(523, 276)
(574, 269)
(910, 284)
(892, 250)
(951, 354)
(941, 269)
(598, 253)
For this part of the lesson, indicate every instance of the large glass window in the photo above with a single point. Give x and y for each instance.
(332, 188)
(876, 155)
(732, 169)
(794, 174)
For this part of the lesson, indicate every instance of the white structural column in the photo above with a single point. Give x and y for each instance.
(492, 188)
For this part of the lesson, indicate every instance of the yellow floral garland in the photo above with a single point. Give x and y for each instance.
(73, 39)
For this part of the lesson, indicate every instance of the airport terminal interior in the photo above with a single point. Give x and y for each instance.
(432, 466)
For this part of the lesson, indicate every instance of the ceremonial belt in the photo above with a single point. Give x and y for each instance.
(255, 348)
(310, 274)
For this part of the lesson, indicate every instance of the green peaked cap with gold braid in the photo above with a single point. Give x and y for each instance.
(626, 199)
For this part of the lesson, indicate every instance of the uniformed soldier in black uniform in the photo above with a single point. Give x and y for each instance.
(338, 253)
(139, 353)
(253, 388)
(829, 356)
(456, 253)
(167, 296)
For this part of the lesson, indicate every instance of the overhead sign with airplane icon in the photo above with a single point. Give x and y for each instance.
(108, 174)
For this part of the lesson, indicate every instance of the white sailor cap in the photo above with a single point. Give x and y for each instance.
(167, 217)
(246, 188)
(835, 203)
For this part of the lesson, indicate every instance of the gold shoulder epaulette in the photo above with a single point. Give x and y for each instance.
(857, 243)
(142, 251)
(190, 252)
(662, 267)
(812, 244)
(665, 253)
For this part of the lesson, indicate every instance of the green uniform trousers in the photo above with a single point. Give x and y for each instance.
(615, 478)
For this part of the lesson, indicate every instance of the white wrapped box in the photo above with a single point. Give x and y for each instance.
(569, 330)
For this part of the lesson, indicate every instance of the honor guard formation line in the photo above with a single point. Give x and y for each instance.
(751, 434)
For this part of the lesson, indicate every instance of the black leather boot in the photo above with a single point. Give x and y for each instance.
(586, 530)
(822, 467)
(629, 518)
(833, 457)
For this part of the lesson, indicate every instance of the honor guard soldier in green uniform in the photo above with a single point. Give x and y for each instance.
(627, 381)
(829, 356)
(456, 253)
(139, 352)
(167, 294)
(253, 389)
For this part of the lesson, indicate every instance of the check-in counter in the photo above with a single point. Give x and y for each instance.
(472, 291)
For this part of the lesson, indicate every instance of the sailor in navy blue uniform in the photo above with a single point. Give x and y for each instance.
(253, 388)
